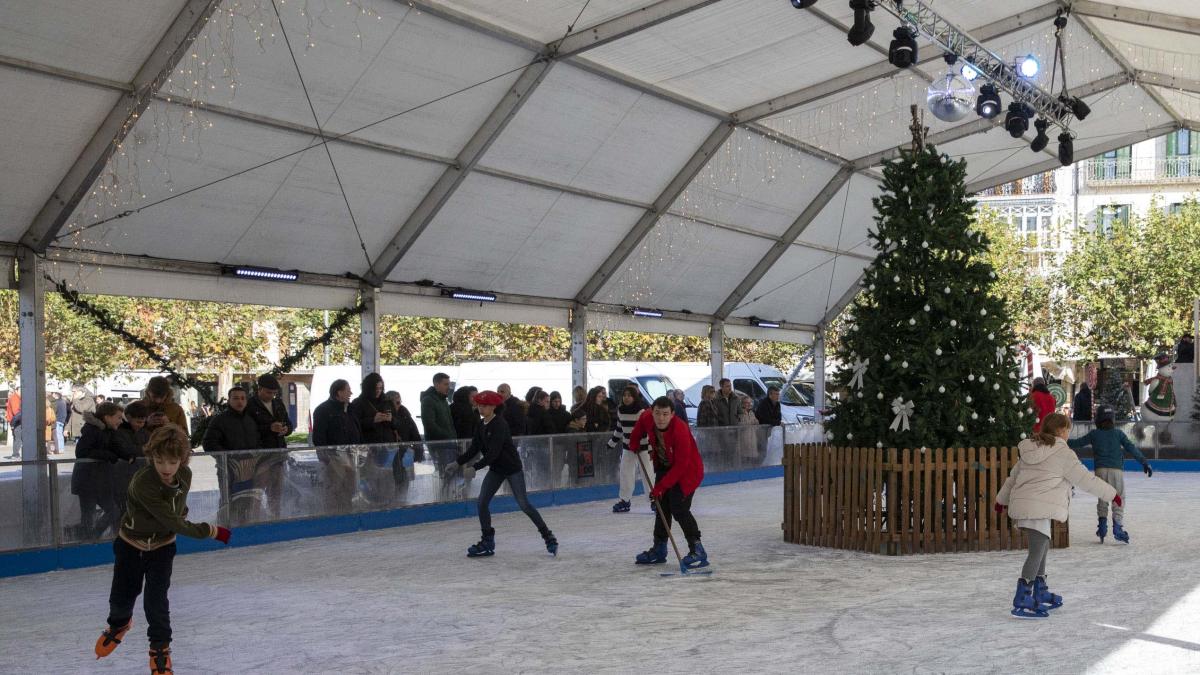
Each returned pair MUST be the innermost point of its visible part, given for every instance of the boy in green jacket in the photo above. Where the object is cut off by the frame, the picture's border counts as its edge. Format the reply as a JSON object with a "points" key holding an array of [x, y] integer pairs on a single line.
{"points": [[1109, 446], [145, 545]]}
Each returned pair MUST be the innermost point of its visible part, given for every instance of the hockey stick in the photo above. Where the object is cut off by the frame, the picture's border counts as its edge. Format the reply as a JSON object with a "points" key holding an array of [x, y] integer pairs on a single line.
{"points": [[683, 569]]}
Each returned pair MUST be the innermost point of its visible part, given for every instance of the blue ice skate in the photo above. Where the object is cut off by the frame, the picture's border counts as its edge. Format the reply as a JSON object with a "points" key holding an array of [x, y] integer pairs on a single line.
{"points": [[655, 555], [696, 558], [1119, 532], [1045, 599], [551, 543], [1025, 606], [1102, 529], [621, 506], [485, 547]]}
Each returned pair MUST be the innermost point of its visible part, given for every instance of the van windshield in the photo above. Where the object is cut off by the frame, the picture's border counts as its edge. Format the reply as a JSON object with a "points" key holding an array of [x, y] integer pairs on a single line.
{"points": [[793, 395], [656, 385]]}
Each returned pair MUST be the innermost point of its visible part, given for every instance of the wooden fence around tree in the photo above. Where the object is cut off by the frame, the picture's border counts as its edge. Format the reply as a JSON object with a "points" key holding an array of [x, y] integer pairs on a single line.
{"points": [[900, 502]]}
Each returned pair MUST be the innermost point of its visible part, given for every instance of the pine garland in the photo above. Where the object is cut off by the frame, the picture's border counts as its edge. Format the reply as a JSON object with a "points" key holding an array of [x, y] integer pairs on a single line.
{"points": [[343, 317]]}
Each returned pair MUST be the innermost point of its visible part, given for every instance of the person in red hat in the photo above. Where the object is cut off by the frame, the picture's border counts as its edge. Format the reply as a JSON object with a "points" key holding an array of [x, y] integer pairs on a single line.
{"points": [[678, 472], [493, 440]]}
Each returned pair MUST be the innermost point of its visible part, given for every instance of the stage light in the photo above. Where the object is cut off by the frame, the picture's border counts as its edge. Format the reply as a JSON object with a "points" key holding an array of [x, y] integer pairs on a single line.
{"points": [[648, 313], [1017, 120], [902, 53], [863, 29], [988, 103], [262, 273], [969, 73], [1080, 109], [801, 4], [464, 294], [1041, 140], [1066, 149], [1028, 67]]}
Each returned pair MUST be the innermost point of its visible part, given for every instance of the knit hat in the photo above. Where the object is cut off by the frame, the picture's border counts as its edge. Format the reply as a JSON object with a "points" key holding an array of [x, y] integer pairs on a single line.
{"points": [[268, 381], [489, 397]]}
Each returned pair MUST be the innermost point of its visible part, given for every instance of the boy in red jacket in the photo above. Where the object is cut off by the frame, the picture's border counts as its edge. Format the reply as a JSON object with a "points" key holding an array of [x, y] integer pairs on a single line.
{"points": [[678, 471]]}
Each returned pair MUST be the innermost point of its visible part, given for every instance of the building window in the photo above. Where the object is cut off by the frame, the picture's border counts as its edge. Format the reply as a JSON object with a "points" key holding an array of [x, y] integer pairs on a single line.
{"points": [[1113, 165], [1183, 153], [1174, 208], [1111, 215]]}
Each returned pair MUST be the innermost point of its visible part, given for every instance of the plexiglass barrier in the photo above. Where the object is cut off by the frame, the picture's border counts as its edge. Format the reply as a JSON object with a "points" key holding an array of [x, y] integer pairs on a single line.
{"points": [[65, 502]]}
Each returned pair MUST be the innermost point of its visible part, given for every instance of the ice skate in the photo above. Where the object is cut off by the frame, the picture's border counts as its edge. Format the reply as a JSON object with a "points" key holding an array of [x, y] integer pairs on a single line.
{"points": [[655, 555], [696, 558], [110, 638], [160, 661], [1102, 529], [485, 547], [1045, 599], [551, 543], [621, 506], [1119, 533], [1025, 606]]}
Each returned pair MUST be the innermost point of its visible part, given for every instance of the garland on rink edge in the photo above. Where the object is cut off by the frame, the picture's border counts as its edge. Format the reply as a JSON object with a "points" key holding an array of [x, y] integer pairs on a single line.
{"points": [[106, 321]]}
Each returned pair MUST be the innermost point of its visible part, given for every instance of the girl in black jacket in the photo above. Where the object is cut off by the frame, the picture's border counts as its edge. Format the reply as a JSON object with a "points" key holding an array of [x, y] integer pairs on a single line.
{"points": [[557, 417], [100, 447], [493, 441], [374, 412], [463, 413]]}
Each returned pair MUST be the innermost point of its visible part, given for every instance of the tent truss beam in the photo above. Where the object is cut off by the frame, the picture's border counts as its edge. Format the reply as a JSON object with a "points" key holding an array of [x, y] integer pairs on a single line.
{"points": [[1138, 17], [82, 174]]}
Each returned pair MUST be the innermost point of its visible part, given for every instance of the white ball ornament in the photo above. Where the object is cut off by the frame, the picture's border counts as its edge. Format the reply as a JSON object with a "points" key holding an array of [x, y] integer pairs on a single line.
{"points": [[872, 287], [879, 444], [860, 394], [968, 399], [924, 244], [991, 336], [971, 377], [904, 364], [996, 386], [946, 290], [983, 312], [912, 322], [938, 351], [829, 435], [879, 396], [896, 278], [887, 357], [942, 390], [983, 378], [974, 416], [849, 436], [961, 429], [953, 323], [926, 308], [1014, 400], [1022, 435]]}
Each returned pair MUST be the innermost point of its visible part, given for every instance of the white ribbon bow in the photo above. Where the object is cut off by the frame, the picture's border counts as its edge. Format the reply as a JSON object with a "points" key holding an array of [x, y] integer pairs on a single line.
{"points": [[1001, 354], [903, 410], [860, 367]]}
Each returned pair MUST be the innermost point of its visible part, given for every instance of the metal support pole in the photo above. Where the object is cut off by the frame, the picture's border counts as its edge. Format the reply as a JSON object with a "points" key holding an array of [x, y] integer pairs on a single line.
{"points": [[35, 488], [716, 350], [369, 330], [578, 323], [1196, 334], [819, 375]]}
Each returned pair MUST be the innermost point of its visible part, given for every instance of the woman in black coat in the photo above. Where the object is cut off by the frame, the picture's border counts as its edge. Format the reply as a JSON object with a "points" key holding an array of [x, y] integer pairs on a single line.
{"points": [[99, 448], [557, 417], [374, 412], [463, 413]]}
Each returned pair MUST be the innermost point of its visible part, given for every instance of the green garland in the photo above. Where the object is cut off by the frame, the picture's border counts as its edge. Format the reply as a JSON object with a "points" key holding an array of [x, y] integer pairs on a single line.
{"points": [[343, 317]]}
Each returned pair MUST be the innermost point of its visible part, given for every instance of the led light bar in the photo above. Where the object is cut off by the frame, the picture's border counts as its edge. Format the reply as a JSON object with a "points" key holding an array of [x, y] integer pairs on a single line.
{"points": [[649, 313], [263, 273], [473, 296], [762, 323]]}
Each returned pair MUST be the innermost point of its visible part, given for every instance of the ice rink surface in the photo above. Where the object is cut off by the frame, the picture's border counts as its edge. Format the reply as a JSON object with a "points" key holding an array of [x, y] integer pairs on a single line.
{"points": [[407, 600]]}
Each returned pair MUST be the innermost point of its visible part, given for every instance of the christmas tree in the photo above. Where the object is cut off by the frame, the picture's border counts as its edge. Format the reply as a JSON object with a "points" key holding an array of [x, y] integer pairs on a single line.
{"points": [[928, 357], [1112, 393]]}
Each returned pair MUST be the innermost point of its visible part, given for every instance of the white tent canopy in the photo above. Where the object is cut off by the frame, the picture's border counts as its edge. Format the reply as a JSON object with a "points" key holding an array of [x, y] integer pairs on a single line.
{"points": [[713, 159]]}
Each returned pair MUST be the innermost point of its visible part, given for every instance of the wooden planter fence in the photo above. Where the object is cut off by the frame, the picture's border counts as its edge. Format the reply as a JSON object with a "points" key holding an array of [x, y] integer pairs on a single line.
{"points": [[900, 502]]}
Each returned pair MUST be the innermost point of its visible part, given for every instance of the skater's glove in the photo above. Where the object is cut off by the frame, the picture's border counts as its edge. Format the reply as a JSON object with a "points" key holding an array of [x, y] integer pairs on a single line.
{"points": [[451, 469], [657, 492], [468, 473], [1117, 500], [223, 534], [999, 507], [1147, 469]]}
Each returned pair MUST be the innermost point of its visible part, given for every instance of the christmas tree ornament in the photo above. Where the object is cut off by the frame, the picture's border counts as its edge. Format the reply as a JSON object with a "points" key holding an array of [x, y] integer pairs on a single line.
{"points": [[983, 312], [991, 336], [991, 419], [924, 244], [926, 308], [961, 429], [983, 378], [879, 444], [912, 322], [887, 357], [946, 290], [968, 399], [904, 364], [938, 351], [879, 396], [974, 416], [942, 389], [971, 377], [896, 278], [903, 410], [953, 323], [860, 394], [860, 367], [871, 287], [996, 386]]}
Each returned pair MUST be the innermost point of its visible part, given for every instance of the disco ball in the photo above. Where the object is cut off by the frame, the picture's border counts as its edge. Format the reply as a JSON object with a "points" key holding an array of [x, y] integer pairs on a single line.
{"points": [[950, 98]]}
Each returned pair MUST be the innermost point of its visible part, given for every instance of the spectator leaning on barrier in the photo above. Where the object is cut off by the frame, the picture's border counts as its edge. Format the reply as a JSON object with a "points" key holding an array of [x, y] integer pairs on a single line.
{"points": [[233, 429], [270, 414], [463, 413], [536, 423], [514, 412], [160, 402], [406, 432], [769, 411], [729, 404], [373, 411], [557, 418], [334, 425], [435, 410], [706, 412], [99, 448]]}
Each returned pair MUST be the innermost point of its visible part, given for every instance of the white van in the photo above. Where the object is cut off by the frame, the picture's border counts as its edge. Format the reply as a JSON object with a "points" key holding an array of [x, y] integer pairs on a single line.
{"points": [[409, 381], [751, 379]]}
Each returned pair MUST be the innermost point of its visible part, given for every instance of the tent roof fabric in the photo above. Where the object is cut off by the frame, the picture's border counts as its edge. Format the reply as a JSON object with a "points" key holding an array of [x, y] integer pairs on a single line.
{"points": [[668, 149]]}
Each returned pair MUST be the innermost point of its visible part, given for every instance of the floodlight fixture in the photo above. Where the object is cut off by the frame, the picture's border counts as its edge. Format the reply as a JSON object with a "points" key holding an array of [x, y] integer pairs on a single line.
{"points": [[1041, 140], [261, 273], [1028, 66], [902, 53], [862, 29], [1066, 149], [988, 103], [464, 294], [1017, 119]]}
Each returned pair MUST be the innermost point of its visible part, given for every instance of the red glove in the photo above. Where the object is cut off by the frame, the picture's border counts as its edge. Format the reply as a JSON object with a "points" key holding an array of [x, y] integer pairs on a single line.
{"points": [[656, 493], [1117, 500], [999, 507], [223, 535]]}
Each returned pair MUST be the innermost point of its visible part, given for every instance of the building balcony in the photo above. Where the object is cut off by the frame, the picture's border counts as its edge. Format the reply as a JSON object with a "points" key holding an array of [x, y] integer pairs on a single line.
{"points": [[1038, 184], [1100, 172]]}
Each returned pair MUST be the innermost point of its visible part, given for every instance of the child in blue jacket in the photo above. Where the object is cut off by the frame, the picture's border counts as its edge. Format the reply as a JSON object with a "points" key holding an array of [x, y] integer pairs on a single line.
{"points": [[1109, 446]]}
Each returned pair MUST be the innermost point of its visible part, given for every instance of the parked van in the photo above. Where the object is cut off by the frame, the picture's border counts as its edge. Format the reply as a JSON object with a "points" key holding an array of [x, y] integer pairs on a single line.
{"points": [[751, 379], [409, 381]]}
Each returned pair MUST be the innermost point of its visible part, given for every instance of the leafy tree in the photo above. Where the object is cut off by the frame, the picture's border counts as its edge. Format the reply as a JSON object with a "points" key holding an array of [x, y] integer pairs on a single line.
{"points": [[1129, 289], [927, 338], [1025, 291]]}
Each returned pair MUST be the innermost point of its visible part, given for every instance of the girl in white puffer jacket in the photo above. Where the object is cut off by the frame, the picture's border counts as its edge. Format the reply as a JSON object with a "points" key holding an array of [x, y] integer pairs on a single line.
{"points": [[1037, 491]]}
